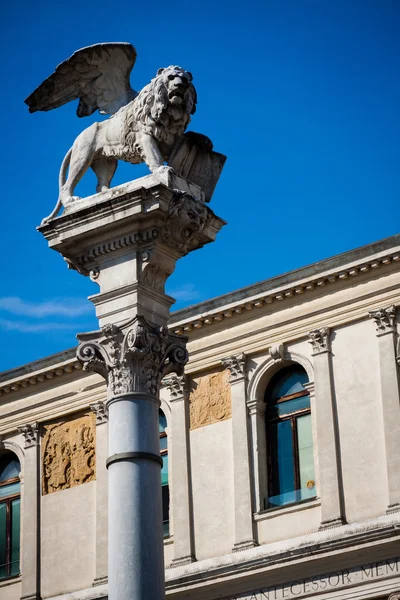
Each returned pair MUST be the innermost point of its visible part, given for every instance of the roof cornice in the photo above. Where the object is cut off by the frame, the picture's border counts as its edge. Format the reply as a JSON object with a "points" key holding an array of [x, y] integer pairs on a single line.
{"points": [[279, 289], [335, 270]]}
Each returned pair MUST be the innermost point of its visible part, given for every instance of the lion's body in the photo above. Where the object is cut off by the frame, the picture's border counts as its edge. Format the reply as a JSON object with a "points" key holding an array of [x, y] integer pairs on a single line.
{"points": [[145, 130]]}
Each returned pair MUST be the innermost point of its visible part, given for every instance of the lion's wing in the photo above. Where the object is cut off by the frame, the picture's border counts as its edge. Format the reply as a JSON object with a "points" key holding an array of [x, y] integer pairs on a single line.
{"points": [[98, 75]]}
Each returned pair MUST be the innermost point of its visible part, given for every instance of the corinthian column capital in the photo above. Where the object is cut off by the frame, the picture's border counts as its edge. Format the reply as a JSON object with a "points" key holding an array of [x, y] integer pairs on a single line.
{"points": [[384, 319], [177, 386], [133, 358], [30, 433], [236, 365], [320, 340]]}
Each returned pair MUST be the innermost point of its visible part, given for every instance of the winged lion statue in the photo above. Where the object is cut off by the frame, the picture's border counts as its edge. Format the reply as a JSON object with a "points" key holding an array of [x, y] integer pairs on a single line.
{"points": [[147, 126]]}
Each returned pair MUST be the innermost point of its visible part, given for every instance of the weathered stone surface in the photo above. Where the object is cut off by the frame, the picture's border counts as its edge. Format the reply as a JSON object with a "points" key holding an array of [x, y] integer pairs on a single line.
{"points": [[69, 453], [210, 399], [146, 127]]}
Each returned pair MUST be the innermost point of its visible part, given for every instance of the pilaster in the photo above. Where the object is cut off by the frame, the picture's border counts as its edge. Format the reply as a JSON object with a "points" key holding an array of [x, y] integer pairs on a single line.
{"points": [[332, 510], [258, 446], [101, 412], [244, 535], [384, 319], [30, 547], [180, 471]]}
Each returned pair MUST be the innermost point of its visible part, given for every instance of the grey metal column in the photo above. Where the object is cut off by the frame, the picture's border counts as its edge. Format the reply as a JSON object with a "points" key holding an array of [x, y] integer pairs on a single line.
{"points": [[134, 358], [134, 491]]}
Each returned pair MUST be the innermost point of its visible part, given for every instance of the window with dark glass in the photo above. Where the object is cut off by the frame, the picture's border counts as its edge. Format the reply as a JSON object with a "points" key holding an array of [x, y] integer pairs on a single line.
{"points": [[10, 504], [289, 438], [162, 425]]}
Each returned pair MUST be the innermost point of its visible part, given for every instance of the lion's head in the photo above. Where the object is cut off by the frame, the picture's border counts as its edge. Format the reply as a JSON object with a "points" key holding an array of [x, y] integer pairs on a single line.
{"points": [[173, 85], [163, 107]]}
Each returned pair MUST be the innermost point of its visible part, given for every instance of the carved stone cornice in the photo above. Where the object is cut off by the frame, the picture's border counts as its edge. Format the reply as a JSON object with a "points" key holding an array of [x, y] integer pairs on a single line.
{"points": [[236, 365], [101, 411], [30, 431], [394, 596], [384, 319], [133, 358], [282, 293], [177, 386], [277, 352], [320, 340]]}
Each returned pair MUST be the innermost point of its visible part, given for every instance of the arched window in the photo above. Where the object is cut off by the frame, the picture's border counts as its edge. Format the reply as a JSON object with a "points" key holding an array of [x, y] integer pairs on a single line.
{"points": [[291, 475], [162, 425], [10, 504]]}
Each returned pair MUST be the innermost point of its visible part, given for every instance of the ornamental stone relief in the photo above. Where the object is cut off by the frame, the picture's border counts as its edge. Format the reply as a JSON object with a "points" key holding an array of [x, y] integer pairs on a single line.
{"points": [[210, 399], [69, 453]]}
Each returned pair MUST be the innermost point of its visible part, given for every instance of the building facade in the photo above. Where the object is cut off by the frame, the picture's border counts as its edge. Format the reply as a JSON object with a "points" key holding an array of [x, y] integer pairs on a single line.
{"points": [[281, 448]]}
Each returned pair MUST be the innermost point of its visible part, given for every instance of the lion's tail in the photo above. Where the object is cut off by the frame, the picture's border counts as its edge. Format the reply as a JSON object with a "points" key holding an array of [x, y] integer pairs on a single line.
{"points": [[62, 178]]}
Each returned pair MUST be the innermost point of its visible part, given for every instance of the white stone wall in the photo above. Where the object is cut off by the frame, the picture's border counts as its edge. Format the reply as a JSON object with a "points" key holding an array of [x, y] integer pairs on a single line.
{"points": [[68, 540], [212, 485]]}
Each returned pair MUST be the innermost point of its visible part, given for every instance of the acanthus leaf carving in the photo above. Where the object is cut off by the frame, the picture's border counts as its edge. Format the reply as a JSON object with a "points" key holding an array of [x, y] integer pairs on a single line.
{"points": [[177, 386], [384, 319], [320, 340], [133, 358], [236, 366], [30, 433], [101, 412]]}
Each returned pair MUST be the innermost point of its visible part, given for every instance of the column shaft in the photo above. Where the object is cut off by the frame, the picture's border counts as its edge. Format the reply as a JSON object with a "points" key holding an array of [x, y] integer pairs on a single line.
{"points": [[328, 450], [135, 538]]}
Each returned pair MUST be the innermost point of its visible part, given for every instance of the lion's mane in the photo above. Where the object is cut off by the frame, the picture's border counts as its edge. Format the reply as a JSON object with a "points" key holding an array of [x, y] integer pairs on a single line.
{"points": [[152, 112]]}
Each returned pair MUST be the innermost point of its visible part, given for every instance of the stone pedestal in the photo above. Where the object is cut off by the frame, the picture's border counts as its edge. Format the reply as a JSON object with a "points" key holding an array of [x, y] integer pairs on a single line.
{"points": [[128, 240]]}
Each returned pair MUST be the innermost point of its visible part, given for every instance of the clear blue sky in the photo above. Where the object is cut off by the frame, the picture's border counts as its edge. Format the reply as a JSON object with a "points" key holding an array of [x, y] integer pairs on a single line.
{"points": [[302, 95]]}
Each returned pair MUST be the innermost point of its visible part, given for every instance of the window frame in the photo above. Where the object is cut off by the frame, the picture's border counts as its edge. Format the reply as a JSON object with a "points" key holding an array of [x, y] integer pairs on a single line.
{"points": [[291, 416], [7, 500]]}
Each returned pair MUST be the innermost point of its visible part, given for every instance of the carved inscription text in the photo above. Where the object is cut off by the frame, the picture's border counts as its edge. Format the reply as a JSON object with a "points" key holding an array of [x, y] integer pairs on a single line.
{"points": [[210, 399], [69, 453]]}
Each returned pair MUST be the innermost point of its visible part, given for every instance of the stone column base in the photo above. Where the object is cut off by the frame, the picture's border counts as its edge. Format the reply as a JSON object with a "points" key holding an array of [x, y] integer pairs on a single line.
{"points": [[332, 523], [244, 545], [100, 581], [184, 560]]}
